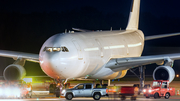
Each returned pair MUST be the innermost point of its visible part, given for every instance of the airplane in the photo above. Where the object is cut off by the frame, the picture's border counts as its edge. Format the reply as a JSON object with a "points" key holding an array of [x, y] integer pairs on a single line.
{"points": [[102, 55]]}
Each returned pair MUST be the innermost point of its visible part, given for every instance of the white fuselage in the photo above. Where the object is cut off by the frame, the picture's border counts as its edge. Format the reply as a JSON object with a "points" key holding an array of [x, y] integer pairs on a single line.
{"points": [[88, 53]]}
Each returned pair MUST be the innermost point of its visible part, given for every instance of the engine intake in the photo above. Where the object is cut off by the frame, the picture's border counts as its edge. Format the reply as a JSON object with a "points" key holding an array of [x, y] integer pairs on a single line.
{"points": [[14, 72], [164, 73]]}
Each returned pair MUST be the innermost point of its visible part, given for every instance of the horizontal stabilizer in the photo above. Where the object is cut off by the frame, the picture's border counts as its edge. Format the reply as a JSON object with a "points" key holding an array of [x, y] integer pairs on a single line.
{"points": [[161, 36]]}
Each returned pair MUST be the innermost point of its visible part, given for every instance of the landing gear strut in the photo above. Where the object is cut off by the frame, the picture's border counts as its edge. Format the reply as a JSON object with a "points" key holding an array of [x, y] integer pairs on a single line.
{"points": [[57, 91], [56, 88], [141, 77]]}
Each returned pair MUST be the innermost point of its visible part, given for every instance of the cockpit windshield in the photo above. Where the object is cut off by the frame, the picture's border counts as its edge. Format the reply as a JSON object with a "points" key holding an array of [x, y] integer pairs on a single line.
{"points": [[156, 84], [56, 49]]}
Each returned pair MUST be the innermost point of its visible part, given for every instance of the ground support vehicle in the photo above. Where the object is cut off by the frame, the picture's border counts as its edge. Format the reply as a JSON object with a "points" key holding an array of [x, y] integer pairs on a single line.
{"points": [[129, 91], [160, 88], [24, 91], [29, 89], [85, 90], [13, 89], [10, 92]]}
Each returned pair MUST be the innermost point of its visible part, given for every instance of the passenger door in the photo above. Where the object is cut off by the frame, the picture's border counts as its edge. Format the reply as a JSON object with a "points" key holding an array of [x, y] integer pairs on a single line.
{"points": [[163, 88], [79, 90], [88, 90]]}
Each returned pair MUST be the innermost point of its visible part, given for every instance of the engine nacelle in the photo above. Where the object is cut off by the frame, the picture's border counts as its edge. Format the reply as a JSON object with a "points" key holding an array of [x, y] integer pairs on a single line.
{"points": [[164, 73], [14, 72]]}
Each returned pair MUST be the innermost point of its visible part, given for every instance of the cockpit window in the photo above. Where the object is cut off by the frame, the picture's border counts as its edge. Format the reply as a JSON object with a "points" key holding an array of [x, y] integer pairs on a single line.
{"points": [[64, 49], [56, 49]]}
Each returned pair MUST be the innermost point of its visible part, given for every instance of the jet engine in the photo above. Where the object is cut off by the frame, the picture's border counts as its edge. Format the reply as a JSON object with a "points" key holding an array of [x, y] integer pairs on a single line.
{"points": [[14, 72], [164, 73]]}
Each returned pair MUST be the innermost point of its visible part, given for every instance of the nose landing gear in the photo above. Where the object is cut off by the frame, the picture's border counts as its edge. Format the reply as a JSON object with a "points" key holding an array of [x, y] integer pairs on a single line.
{"points": [[56, 87]]}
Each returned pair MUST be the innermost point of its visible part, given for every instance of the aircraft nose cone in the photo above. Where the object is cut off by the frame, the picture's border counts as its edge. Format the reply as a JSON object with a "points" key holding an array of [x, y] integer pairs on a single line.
{"points": [[60, 64], [46, 62], [48, 58]]}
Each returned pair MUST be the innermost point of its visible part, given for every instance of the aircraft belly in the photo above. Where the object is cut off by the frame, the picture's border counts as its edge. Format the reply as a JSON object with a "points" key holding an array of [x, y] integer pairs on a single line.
{"points": [[107, 73]]}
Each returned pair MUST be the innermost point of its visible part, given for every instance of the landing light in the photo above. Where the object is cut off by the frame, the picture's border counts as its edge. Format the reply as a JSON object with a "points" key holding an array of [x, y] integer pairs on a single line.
{"points": [[177, 75]]}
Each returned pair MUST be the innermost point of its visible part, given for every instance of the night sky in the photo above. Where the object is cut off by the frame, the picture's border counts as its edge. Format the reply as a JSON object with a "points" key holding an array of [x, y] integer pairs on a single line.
{"points": [[26, 24]]}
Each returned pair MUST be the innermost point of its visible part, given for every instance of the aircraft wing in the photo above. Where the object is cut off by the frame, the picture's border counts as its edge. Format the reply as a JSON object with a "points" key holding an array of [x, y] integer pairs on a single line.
{"points": [[118, 64], [16, 55]]}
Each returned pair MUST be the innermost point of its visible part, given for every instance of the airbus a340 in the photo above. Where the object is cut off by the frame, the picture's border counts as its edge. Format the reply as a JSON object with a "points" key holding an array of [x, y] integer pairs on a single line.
{"points": [[94, 54]]}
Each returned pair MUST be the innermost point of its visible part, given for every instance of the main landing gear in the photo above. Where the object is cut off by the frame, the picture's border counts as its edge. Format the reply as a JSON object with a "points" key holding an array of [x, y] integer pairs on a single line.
{"points": [[141, 77]]}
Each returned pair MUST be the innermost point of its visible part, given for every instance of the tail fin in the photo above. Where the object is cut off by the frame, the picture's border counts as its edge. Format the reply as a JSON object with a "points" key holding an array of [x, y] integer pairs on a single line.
{"points": [[134, 16]]}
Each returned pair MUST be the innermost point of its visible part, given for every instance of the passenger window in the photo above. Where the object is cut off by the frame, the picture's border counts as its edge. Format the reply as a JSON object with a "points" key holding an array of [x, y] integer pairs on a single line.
{"points": [[56, 49], [49, 49], [88, 86], [80, 87], [164, 85]]}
